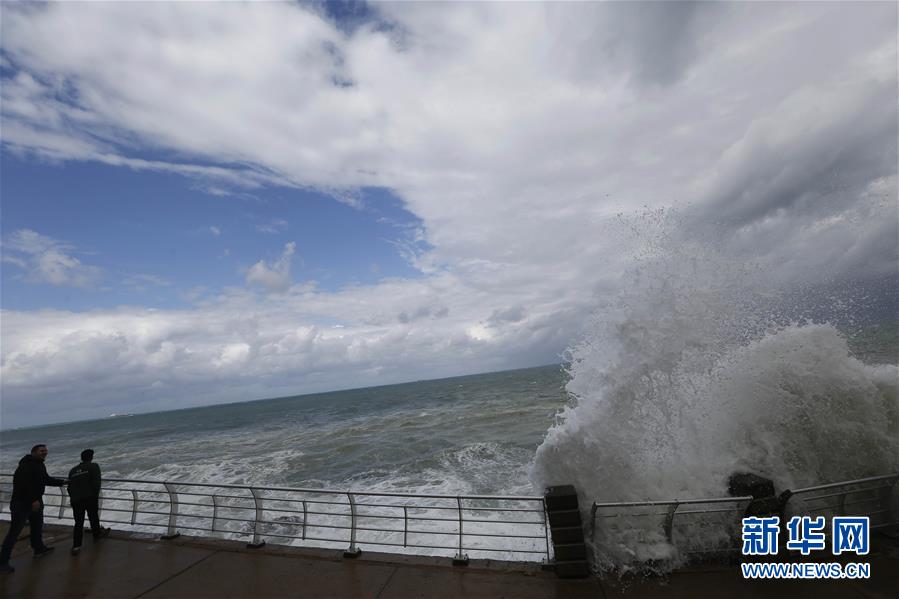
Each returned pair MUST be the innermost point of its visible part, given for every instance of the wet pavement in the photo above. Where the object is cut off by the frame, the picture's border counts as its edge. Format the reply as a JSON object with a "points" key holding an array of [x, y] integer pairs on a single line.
{"points": [[130, 566]]}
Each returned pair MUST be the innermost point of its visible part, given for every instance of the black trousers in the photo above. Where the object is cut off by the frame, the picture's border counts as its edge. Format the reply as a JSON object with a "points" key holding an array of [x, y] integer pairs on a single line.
{"points": [[79, 508], [20, 512]]}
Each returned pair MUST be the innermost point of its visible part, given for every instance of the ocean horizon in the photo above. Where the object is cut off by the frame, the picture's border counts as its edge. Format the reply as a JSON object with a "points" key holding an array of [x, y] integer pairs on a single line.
{"points": [[247, 401]]}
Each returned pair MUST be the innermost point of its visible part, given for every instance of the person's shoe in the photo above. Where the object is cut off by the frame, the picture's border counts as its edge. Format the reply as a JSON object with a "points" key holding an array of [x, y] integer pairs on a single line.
{"points": [[104, 532], [44, 551], [75, 550], [6, 569]]}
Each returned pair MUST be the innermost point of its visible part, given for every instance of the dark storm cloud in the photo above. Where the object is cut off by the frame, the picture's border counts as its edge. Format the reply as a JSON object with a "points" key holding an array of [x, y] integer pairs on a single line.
{"points": [[655, 39], [650, 43], [807, 157]]}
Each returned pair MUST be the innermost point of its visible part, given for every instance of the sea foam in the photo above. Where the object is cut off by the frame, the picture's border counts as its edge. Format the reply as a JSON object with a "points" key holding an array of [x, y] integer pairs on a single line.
{"points": [[697, 370]]}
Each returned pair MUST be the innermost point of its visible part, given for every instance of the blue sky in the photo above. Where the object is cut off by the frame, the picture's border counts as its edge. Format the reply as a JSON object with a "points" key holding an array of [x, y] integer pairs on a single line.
{"points": [[159, 241], [211, 202]]}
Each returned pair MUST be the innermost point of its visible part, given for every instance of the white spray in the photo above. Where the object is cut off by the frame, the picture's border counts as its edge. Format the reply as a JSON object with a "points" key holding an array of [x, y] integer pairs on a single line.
{"points": [[691, 374]]}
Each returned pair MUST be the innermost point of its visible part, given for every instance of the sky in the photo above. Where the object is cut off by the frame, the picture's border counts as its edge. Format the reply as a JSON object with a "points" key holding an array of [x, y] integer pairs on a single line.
{"points": [[213, 202]]}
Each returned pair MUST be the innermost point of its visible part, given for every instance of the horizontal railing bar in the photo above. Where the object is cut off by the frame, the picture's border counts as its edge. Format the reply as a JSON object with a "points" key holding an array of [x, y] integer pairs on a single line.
{"points": [[624, 515], [731, 511], [847, 482], [487, 534], [114, 509], [441, 507], [332, 491], [842, 493], [506, 550], [321, 491], [671, 502], [831, 506], [400, 517], [866, 513]]}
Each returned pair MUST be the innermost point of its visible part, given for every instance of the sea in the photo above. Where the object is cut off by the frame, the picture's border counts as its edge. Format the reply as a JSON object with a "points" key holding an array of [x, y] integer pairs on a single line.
{"points": [[471, 435]]}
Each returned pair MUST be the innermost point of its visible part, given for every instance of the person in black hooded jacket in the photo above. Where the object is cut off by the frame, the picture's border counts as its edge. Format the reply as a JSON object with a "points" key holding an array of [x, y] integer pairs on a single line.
{"points": [[84, 492], [27, 504]]}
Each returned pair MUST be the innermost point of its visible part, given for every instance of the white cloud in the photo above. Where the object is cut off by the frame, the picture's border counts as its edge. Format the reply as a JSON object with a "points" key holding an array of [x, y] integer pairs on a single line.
{"points": [[214, 231], [283, 343], [498, 124], [272, 227], [274, 277], [46, 260], [514, 132]]}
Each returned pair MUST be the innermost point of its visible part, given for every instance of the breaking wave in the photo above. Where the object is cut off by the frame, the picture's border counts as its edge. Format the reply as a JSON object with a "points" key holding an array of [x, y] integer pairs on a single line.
{"points": [[699, 369]]}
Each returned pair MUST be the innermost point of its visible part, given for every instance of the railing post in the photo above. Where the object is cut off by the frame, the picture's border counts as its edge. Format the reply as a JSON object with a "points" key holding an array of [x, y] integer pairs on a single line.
{"points": [[545, 528], [215, 511], [353, 551], [62, 502], [304, 519], [669, 521], [461, 559], [173, 512], [3, 494], [257, 521], [133, 506], [405, 525]]}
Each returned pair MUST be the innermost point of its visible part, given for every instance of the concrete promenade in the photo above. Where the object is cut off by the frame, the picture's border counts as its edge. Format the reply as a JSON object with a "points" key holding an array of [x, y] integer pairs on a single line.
{"points": [[129, 566]]}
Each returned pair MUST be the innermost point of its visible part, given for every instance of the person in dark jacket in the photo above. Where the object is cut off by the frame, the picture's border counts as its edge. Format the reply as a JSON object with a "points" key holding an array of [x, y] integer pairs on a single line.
{"points": [[27, 504], [84, 493]]}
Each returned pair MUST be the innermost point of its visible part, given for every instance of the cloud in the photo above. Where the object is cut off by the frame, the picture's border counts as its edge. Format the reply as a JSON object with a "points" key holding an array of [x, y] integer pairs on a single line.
{"points": [[515, 134], [283, 343], [510, 314], [215, 231], [272, 227], [46, 260], [142, 282], [511, 131], [274, 278]]}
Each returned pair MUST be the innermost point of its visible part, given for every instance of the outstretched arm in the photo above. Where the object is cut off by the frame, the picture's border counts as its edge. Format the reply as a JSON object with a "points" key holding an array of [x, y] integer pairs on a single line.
{"points": [[55, 482]]}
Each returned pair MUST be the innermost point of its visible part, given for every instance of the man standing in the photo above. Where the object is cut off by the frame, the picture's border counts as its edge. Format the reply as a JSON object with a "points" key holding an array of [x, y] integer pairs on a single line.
{"points": [[84, 492], [27, 504]]}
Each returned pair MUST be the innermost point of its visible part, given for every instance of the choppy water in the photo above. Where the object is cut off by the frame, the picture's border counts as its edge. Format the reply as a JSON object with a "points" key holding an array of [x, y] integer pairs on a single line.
{"points": [[473, 434]]}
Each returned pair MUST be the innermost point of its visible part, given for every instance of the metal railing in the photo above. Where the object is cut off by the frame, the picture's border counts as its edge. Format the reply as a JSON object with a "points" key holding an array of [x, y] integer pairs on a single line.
{"points": [[498, 527], [712, 526], [692, 526], [873, 497]]}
